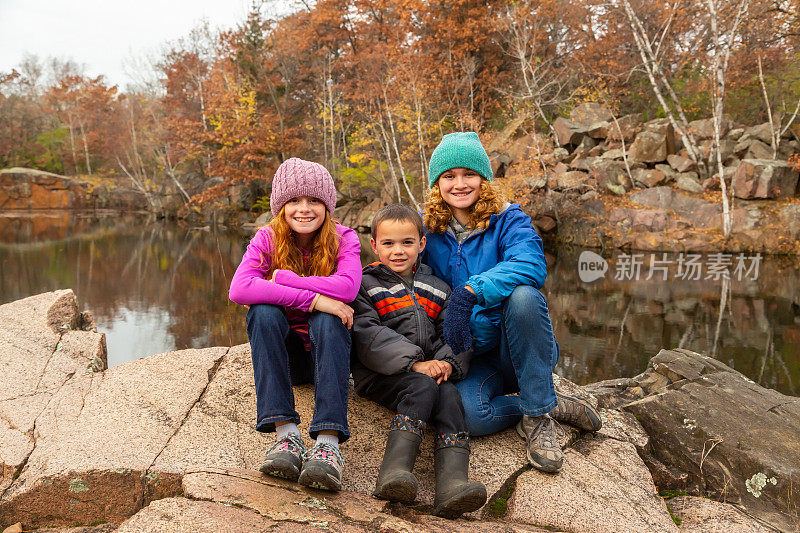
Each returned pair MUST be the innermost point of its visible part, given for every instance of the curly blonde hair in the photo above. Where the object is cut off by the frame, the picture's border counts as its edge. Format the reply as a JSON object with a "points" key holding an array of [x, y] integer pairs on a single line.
{"points": [[437, 213], [286, 254]]}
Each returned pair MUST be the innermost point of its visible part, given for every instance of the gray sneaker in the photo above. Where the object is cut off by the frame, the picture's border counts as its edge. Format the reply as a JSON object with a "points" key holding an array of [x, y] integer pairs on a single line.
{"points": [[541, 440], [285, 457], [577, 412], [323, 467]]}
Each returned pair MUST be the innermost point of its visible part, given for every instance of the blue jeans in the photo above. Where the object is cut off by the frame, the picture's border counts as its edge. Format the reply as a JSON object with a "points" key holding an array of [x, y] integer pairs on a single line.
{"points": [[280, 361], [522, 362]]}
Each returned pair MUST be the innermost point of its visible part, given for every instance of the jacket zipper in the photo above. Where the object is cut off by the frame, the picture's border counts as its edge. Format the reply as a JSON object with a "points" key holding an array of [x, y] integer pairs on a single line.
{"points": [[417, 307]]}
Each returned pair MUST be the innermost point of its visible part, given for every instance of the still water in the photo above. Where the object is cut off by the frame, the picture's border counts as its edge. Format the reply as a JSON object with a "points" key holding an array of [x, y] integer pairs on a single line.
{"points": [[155, 286]]}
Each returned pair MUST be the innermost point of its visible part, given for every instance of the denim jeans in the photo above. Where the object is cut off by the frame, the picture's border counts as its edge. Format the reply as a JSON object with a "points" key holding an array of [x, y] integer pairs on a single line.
{"points": [[522, 362], [280, 361]]}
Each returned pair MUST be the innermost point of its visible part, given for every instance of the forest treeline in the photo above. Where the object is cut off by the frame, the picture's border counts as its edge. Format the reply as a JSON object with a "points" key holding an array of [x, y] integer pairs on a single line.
{"points": [[368, 87]]}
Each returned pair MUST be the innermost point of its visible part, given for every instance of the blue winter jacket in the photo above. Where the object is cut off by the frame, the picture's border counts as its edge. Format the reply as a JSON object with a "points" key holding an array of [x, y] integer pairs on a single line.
{"points": [[493, 262]]}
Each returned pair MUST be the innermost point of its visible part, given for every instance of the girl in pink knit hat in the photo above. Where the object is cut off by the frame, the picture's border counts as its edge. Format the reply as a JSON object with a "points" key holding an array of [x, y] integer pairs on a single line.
{"points": [[296, 276]]}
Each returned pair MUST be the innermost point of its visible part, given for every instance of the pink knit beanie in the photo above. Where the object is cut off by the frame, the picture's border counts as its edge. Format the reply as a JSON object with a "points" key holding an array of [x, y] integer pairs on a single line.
{"points": [[296, 177]]}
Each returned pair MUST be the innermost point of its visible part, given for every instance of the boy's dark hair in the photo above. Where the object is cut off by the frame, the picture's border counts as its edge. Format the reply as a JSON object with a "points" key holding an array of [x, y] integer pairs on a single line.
{"points": [[400, 213]]}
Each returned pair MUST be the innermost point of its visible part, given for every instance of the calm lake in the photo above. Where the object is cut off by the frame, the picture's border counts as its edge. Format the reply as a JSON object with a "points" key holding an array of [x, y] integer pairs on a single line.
{"points": [[155, 286]]}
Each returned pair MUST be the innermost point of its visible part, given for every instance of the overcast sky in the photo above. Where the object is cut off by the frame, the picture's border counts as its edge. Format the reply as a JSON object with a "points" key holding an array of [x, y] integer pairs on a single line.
{"points": [[101, 33]]}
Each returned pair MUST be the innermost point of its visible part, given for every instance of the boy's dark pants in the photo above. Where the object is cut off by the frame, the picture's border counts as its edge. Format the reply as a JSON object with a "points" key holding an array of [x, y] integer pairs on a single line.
{"points": [[417, 396]]}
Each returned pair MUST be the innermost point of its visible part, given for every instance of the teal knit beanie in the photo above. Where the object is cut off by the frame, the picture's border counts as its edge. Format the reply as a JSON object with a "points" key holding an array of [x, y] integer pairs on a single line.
{"points": [[462, 149]]}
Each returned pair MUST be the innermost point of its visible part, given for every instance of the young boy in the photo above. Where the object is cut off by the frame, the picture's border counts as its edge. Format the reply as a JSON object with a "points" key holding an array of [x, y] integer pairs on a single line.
{"points": [[401, 362]]}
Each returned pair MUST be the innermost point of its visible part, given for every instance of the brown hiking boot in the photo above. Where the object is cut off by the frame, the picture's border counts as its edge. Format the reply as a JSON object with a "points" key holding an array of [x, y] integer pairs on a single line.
{"points": [[576, 412], [541, 442]]}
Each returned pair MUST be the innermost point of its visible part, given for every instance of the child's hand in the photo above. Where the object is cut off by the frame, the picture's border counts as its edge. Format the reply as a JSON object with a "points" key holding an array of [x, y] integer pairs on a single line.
{"points": [[447, 369], [335, 307], [438, 370]]}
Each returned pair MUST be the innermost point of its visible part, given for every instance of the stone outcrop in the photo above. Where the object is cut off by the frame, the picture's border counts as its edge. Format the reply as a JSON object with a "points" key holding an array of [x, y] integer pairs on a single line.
{"points": [[702, 515], [26, 189], [47, 349], [167, 443], [624, 156], [732, 438], [762, 178]]}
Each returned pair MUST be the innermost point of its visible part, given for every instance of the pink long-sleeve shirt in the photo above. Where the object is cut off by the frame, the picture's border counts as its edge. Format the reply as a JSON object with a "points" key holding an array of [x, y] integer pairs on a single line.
{"points": [[249, 284]]}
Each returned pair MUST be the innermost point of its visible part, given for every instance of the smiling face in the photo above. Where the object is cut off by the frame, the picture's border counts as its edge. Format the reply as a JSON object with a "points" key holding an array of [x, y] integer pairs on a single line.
{"points": [[304, 215], [397, 244], [460, 188]]}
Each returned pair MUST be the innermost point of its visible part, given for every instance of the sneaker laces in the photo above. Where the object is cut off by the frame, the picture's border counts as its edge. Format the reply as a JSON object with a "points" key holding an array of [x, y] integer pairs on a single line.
{"points": [[572, 411], [552, 425], [292, 443], [324, 451]]}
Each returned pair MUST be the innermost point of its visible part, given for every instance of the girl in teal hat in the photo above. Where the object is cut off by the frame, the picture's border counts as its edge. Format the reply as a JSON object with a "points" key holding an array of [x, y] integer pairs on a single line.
{"points": [[489, 253]]}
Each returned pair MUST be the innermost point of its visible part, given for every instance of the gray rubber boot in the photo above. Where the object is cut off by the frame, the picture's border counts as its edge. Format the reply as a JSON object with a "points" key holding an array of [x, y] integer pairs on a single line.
{"points": [[455, 495], [396, 482]]}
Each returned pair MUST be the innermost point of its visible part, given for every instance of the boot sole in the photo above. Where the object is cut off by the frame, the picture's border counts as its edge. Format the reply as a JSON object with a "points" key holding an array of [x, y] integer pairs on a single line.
{"points": [[471, 500], [539, 463], [397, 493], [595, 423], [280, 469], [402, 489], [317, 478]]}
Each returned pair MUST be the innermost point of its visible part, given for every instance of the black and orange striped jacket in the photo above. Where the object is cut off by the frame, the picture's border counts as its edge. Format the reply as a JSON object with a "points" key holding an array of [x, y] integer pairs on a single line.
{"points": [[395, 324]]}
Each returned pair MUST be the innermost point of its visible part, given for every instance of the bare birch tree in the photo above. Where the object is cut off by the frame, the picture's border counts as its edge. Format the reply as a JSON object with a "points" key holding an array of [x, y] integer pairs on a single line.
{"points": [[721, 53]]}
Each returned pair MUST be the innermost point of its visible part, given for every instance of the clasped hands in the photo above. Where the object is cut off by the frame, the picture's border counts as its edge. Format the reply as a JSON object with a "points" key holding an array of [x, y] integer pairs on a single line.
{"points": [[438, 370]]}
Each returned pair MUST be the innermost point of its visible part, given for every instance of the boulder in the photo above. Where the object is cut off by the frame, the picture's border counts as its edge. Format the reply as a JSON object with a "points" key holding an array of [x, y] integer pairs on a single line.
{"points": [[615, 153], [764, 178], [689, 182], [569, 132], [681, 164], [43, 348], [758, 150], [590, 113], [734, 438], [107, 443], [625, 128], [648, 177], [704, 128], [530, 146], [708, 150], [500, 140], [762, 132], [668, 198], [639, 219], [584, 163], [622, 497], [663, 126], [100, 436], [609, 173], [735, 134], [702, 515], [599, 130], [668, 171], [264, 218], [649, 147], [546, 224], [183, 514]]}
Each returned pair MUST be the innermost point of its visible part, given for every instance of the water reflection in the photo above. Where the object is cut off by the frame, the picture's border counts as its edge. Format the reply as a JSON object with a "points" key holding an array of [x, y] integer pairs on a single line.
{"points": [[152, 286], [611, 328], [155, 286]]}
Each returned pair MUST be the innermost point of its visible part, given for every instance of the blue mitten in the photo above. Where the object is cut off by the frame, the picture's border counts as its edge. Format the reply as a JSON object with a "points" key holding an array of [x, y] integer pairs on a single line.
{"points": [[456, 331]]}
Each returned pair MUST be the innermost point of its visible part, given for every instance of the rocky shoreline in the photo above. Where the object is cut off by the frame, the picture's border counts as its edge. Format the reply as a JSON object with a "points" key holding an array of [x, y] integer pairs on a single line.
{"points": [[166, 443]]}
